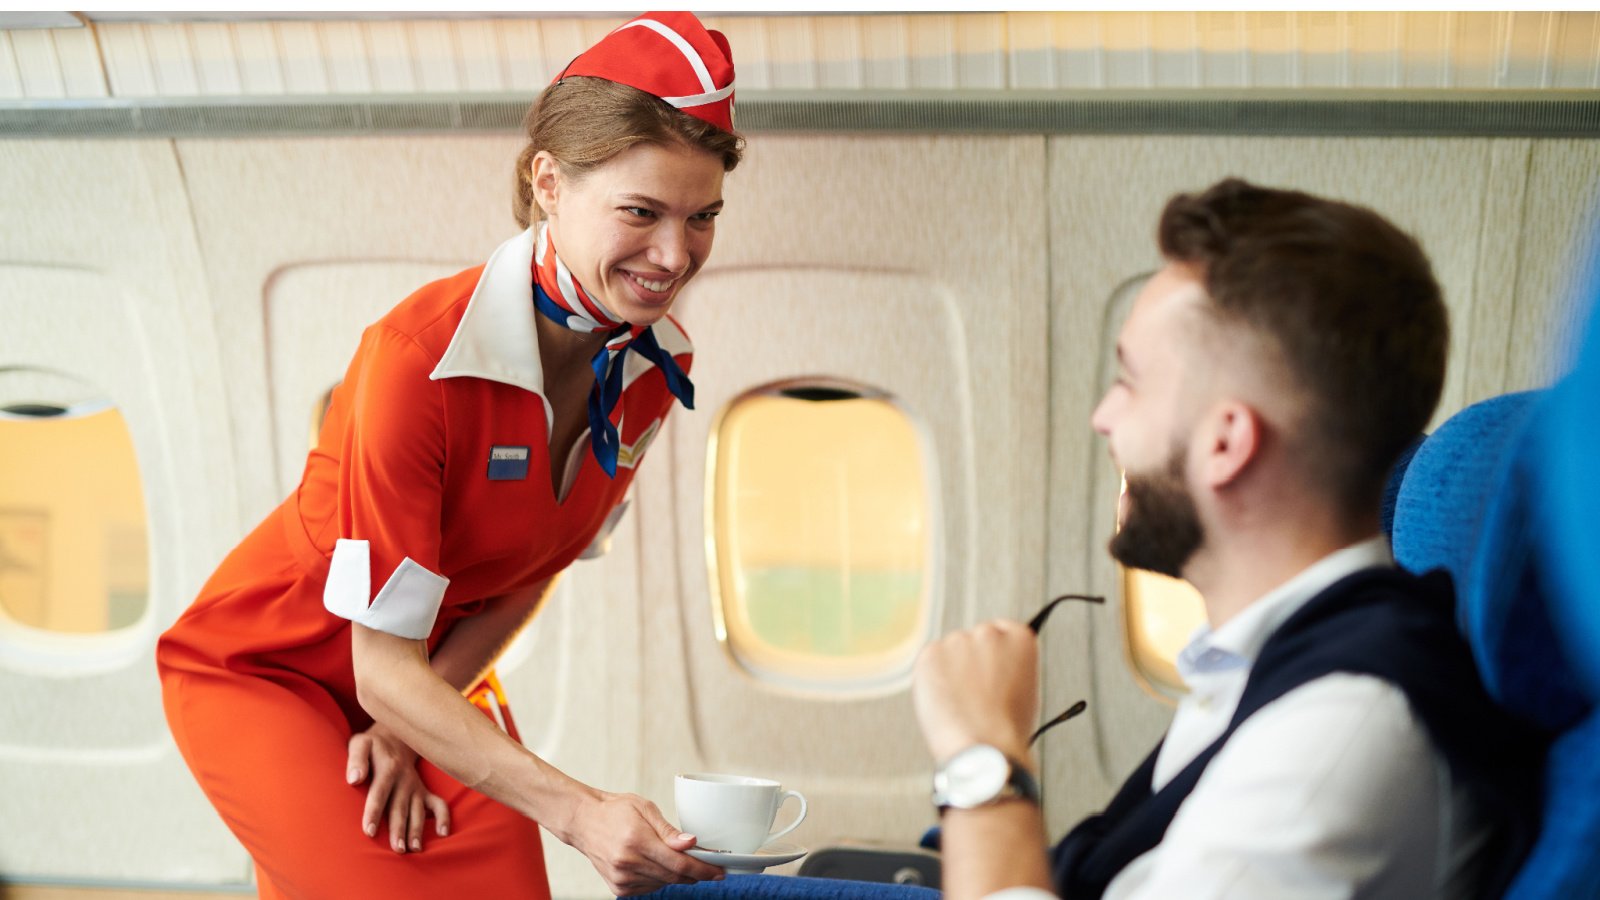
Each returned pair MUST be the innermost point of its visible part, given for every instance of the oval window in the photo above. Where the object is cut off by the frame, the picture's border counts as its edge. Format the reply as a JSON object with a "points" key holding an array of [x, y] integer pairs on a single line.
{"points": [[74, 552], [822, 536]]}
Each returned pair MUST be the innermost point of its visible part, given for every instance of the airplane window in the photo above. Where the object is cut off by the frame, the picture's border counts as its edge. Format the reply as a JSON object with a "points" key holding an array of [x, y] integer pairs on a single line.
{"points": [[74, 552], [821, 536]]}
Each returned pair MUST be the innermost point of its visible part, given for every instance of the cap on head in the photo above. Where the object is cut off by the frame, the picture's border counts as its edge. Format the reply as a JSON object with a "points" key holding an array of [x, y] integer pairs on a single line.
{"points": [[671, 56]]}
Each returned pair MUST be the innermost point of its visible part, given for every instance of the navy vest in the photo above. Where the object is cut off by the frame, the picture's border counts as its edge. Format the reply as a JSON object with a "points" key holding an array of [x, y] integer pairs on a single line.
{"points": [[1380, 622]]}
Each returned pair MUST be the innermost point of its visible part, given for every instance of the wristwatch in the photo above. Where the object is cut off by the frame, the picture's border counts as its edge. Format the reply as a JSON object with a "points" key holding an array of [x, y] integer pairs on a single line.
{"points": [[980, 775]]}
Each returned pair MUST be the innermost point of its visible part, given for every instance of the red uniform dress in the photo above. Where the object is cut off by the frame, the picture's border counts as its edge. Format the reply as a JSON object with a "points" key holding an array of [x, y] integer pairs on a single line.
{"points": [[400, 501]]}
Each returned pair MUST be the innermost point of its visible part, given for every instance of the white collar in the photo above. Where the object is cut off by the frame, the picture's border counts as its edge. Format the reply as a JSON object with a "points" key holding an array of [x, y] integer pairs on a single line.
{"points": [[1237, 643], [497, 339]]}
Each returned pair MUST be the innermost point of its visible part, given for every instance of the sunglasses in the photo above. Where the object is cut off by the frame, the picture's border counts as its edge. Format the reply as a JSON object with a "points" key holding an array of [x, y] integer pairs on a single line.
{"points": [[1036, 623]]}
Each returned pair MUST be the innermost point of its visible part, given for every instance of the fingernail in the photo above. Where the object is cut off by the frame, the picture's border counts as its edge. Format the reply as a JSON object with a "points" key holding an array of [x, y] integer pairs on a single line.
{"points": [[399, 846], [371, 830], [443, 831], [685, 837], [351, 776], [416, 843]]}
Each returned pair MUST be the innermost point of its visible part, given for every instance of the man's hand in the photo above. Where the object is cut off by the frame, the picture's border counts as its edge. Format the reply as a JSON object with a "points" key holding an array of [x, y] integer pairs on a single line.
{"points": [[633, 847], [980, 685], [396, 792]]}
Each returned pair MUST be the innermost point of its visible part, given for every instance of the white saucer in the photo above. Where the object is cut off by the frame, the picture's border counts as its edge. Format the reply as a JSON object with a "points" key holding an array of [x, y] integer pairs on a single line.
{"points": [[749, 863]]}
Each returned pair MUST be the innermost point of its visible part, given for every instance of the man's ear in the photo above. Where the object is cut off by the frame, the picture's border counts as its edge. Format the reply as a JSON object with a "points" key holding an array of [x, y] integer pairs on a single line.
{"points": [[1233, 433], [545, 176]]}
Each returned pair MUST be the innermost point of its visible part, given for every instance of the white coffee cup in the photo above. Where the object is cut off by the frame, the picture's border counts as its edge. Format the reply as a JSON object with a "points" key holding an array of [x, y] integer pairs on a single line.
{"points": [[732, 813]]}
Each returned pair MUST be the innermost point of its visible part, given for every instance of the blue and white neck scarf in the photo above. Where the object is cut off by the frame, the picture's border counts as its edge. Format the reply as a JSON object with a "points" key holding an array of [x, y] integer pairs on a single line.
{"points": [[559, 297]]}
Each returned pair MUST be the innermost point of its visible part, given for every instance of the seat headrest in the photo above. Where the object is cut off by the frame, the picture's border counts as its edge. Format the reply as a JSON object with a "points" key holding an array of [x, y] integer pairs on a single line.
{"points": [[1447, 485], [1465, 505]]}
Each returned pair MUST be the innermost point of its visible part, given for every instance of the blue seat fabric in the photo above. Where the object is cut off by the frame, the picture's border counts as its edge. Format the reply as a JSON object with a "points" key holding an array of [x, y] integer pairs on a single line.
{"points": [[781, 887], [1474, 500]]}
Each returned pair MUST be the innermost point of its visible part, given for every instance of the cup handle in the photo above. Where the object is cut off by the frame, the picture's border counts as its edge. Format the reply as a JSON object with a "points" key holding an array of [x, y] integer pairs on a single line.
{"points": [[797, 819]]}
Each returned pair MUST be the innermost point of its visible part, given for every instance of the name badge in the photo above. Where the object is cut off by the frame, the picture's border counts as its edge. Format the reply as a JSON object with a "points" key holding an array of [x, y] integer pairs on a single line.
{"points": [[508, 463]]}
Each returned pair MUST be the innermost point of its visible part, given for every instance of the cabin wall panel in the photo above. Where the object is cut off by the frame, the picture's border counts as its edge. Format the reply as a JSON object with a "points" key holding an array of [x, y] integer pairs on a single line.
{"points": [[38, 64], [193, 59], [101, 280], [1481, 338], [1573, 62], [263, 208], [1556, 261]]}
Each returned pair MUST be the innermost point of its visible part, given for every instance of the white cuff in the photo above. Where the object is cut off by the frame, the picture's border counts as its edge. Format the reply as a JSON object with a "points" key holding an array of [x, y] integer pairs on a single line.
{"points": [[601, 545], [407, 605]]}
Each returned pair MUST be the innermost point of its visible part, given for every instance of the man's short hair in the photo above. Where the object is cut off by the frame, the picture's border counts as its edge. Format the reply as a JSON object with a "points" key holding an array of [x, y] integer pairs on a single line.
{"points": [[1348, 299]]}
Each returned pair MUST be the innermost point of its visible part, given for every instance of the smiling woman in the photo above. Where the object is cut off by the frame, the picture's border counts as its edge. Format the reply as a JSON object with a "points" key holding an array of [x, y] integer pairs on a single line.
{"points": [[645, 223], [482, 439]]}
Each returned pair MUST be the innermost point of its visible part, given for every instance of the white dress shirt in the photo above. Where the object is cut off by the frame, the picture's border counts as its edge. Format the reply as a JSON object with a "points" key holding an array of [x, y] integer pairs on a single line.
{"points": [[1333, 790]]}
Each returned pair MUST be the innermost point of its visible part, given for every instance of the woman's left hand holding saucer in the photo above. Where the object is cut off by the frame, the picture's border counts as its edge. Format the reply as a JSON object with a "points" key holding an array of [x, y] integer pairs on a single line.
{"points": [[396, 791]]}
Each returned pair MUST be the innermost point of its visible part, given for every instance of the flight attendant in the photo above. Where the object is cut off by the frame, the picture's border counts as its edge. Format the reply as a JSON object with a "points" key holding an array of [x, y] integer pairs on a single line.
{"points": [[482, 439]]}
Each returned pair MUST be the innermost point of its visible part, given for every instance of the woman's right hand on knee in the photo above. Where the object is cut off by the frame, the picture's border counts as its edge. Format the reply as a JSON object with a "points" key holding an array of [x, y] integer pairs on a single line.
{"points": [[395, 793]]}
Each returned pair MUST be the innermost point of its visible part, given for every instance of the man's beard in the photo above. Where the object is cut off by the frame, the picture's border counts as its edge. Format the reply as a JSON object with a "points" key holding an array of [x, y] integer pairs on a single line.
{"points": [[1161, 530]]}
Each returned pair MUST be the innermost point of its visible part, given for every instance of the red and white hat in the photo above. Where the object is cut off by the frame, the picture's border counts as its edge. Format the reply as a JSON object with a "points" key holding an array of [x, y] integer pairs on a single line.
{"points": [[669, 55]]}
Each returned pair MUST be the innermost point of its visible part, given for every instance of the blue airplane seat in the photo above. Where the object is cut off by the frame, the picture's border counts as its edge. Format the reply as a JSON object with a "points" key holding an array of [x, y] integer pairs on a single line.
{"points": [[785, 887], [1470, 501], [1569, 450], [1448, 481], [1562, 466]]}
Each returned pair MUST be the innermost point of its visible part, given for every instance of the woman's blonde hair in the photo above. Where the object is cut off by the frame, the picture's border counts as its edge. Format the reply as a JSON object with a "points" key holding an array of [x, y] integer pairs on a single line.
{"points": [[584, 122]]}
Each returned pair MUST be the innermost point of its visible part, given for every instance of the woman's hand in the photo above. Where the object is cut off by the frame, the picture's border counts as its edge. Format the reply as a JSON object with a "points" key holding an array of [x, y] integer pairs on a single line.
{"points": [[633, 847], [396, 792]]}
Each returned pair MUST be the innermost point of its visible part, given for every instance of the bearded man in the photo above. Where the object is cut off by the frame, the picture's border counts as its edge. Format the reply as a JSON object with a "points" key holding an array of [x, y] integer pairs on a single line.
{"points": [[1335, 740]]}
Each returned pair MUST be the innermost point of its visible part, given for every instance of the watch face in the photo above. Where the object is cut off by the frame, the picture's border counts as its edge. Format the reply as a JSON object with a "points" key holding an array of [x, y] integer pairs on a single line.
{"points": [[975, 776]]}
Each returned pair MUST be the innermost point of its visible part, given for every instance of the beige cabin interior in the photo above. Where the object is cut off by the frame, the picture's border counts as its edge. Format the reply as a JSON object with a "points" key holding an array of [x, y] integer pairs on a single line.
{"points": [[939, 214]]}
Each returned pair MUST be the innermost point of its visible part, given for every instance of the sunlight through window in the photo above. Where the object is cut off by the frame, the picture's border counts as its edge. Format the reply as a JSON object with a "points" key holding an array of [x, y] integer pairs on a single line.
{"points": [[74, 554], [822, 536]]}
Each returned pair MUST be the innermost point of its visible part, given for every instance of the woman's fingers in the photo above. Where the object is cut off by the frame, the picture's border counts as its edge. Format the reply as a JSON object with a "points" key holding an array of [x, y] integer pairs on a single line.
{"points": [[399, 811], [633, 854], [357, 764], [441, 813], [377, 799], [396, 796], [414, 826]]}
